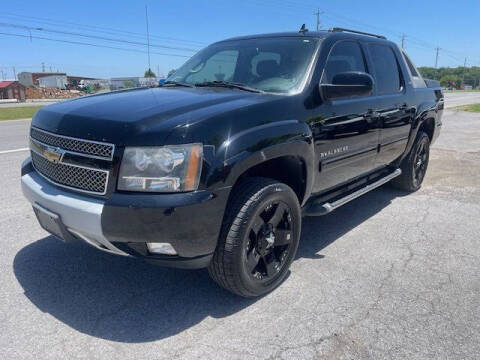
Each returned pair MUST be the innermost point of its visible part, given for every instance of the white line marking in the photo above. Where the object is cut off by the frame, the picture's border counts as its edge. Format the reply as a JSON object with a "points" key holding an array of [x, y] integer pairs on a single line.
{"points": [[7, 121], [13, 151]]}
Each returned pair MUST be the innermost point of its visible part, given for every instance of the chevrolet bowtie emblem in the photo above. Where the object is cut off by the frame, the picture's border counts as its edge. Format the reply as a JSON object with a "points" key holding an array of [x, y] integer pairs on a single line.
{"points": [[53, 155]]}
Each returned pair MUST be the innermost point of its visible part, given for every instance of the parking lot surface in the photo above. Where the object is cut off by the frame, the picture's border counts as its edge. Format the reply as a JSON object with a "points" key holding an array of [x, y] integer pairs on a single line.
{"points": [[388, 276]]}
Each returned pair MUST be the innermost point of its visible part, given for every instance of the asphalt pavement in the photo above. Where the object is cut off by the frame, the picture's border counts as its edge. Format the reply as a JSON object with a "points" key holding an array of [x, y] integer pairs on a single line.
{"points": [[454, 99], [13, 135], [40, 102], [387, 276]]}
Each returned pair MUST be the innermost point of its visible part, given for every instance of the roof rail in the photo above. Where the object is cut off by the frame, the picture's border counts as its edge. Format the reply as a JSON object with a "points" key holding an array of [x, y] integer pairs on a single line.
{"points": [[336, 29]]}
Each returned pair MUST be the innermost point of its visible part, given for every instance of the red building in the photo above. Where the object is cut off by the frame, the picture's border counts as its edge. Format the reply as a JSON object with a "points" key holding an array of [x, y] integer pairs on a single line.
{"points": [[12, 90]]}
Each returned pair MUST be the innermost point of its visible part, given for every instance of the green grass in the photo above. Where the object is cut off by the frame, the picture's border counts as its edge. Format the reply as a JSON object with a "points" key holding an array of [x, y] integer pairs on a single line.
{"points": [[470, 108], [19, 112]]}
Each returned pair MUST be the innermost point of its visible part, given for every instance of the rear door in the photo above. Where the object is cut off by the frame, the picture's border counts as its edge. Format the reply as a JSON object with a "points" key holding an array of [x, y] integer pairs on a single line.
{"points": [[345, 130], [392, 103]]}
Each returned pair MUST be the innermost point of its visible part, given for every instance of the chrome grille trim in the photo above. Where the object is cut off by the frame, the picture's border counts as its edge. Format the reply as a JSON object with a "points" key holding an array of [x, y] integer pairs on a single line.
{"points": [[89, 148], [86, 169]]}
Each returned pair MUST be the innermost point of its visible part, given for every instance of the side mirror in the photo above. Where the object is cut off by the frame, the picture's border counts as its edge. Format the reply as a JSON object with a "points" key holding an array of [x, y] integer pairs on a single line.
{"points": [[348, 84]]}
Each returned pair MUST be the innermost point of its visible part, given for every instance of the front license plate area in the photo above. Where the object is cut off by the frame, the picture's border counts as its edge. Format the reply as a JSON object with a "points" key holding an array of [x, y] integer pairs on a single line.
{"points": [[51, 222]]}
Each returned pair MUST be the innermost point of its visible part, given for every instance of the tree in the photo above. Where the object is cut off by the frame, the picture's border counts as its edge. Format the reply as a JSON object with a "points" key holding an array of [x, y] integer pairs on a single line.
{"points": [[149, 73], [128, 84], [451, 81], [429, 73], [171, 72], [454, 75]]}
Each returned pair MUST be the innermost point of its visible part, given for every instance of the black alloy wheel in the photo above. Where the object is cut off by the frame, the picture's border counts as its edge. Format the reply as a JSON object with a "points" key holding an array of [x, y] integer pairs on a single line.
{"points": [[259, 237], [420, 162], [269, 240], [415, 164]]}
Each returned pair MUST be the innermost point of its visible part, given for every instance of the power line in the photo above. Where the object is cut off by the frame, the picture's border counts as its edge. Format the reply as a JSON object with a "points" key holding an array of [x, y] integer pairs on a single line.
{"points": [[403, 40], [318, 13], [436, 57], [30, 28], [297, 7], [287, 6], [148, 38], [97, 29], [463, 73], [89, 44]]}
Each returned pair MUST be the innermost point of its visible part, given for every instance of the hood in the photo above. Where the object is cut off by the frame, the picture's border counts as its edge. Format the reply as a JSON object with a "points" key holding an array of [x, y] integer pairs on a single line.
{"points": [[149, 114]]}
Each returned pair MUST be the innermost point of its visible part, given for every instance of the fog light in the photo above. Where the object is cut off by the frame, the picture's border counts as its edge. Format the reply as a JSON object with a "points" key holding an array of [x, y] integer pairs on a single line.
{"points": [[161, 248]]}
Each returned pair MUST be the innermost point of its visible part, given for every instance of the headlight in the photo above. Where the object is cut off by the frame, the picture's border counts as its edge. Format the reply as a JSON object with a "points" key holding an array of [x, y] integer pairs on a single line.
{"points": [[161, 169]]}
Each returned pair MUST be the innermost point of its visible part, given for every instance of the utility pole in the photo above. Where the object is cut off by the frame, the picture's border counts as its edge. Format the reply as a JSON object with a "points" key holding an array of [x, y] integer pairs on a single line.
{"points": [[158, 71], [318, 13], [14, 73], [403, 40], [3, 75], [43, 67], [436, 58], [148, 36], [463, 74]]}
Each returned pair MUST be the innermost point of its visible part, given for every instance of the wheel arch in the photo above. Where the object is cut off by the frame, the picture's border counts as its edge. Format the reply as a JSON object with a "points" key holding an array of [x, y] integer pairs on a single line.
{"points": [[282, 151], [428, 126], [424, 121]]}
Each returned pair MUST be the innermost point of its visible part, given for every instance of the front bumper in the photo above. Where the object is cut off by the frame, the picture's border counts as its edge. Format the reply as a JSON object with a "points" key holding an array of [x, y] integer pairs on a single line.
{"points": [[123, 223]]}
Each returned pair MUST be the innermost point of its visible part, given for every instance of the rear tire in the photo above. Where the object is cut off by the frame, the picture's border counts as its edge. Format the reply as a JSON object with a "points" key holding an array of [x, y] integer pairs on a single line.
{"points": [[414, 166], [259, 238]]}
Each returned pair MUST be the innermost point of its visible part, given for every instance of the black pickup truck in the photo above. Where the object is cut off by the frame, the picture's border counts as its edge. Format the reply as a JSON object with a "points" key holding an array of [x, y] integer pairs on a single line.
{"points": [[217, 166]]}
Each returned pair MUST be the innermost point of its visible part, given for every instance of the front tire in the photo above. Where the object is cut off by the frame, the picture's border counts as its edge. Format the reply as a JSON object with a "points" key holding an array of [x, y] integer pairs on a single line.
{"points": [[414, 166], [259, 238]]}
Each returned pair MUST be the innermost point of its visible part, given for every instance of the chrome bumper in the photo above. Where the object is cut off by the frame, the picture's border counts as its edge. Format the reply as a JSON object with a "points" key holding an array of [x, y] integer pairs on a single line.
{"points": [[80, 215]]}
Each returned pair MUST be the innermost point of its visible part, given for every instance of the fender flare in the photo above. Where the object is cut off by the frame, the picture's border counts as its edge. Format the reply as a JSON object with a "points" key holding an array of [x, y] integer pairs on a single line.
{"points": [[424, 112], [265, 142]]}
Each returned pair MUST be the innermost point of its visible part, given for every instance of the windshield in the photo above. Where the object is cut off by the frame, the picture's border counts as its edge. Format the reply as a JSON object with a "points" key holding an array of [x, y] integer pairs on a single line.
{"points": [[268, 64]]}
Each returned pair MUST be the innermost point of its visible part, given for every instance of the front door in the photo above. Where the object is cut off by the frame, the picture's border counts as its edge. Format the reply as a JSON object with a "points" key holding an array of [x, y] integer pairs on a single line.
{"points": [[345, 130]]}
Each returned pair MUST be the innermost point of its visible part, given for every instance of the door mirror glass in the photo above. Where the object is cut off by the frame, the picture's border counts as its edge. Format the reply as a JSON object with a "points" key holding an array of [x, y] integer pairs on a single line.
{"points": [[348, 84]]}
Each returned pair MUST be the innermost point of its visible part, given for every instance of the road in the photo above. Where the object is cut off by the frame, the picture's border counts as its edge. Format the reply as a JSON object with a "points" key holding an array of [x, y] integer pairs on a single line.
{"points": [[461, 98], [388, 276], [13, 135], [43, 102]]}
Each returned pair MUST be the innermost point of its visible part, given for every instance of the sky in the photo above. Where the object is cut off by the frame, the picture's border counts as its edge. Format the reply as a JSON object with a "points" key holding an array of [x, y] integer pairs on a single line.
{"points": [[179, 28]]}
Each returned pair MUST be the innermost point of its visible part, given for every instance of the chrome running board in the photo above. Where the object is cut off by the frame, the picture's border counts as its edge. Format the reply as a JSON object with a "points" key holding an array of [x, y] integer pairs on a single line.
{"points": [[319, 209]]}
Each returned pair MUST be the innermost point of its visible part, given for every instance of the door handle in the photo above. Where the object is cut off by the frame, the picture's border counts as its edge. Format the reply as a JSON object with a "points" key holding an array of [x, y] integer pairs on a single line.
{"points": [[403, 107]]}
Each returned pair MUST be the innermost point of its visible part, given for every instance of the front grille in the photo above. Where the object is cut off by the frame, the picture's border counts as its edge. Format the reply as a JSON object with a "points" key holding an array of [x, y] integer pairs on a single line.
{"points": [[88, 147], [80, 178]]}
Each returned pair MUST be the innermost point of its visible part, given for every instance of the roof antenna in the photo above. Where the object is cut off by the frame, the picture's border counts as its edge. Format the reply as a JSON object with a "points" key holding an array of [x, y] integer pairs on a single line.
{"points": [[303, 29]]}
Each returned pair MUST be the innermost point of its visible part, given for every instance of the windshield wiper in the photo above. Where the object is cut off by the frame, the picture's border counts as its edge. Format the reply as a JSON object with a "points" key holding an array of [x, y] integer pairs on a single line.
{"points": [[175, 83], [228, 84]]}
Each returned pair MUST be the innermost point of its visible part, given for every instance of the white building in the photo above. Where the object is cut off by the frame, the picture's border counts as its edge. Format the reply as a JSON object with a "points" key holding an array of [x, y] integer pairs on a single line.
{"points": [[54, 81], [25, 78], [132, 82]]}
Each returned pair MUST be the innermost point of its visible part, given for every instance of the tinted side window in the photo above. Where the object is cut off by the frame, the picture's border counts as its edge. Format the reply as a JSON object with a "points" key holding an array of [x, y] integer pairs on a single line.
{"points": [[413, 71], [387, 76], [345, 56]]}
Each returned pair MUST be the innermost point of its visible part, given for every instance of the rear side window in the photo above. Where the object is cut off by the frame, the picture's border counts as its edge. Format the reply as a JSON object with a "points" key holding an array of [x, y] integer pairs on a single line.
{"points": [[345, 56], [411, 67], [385, 66]]}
